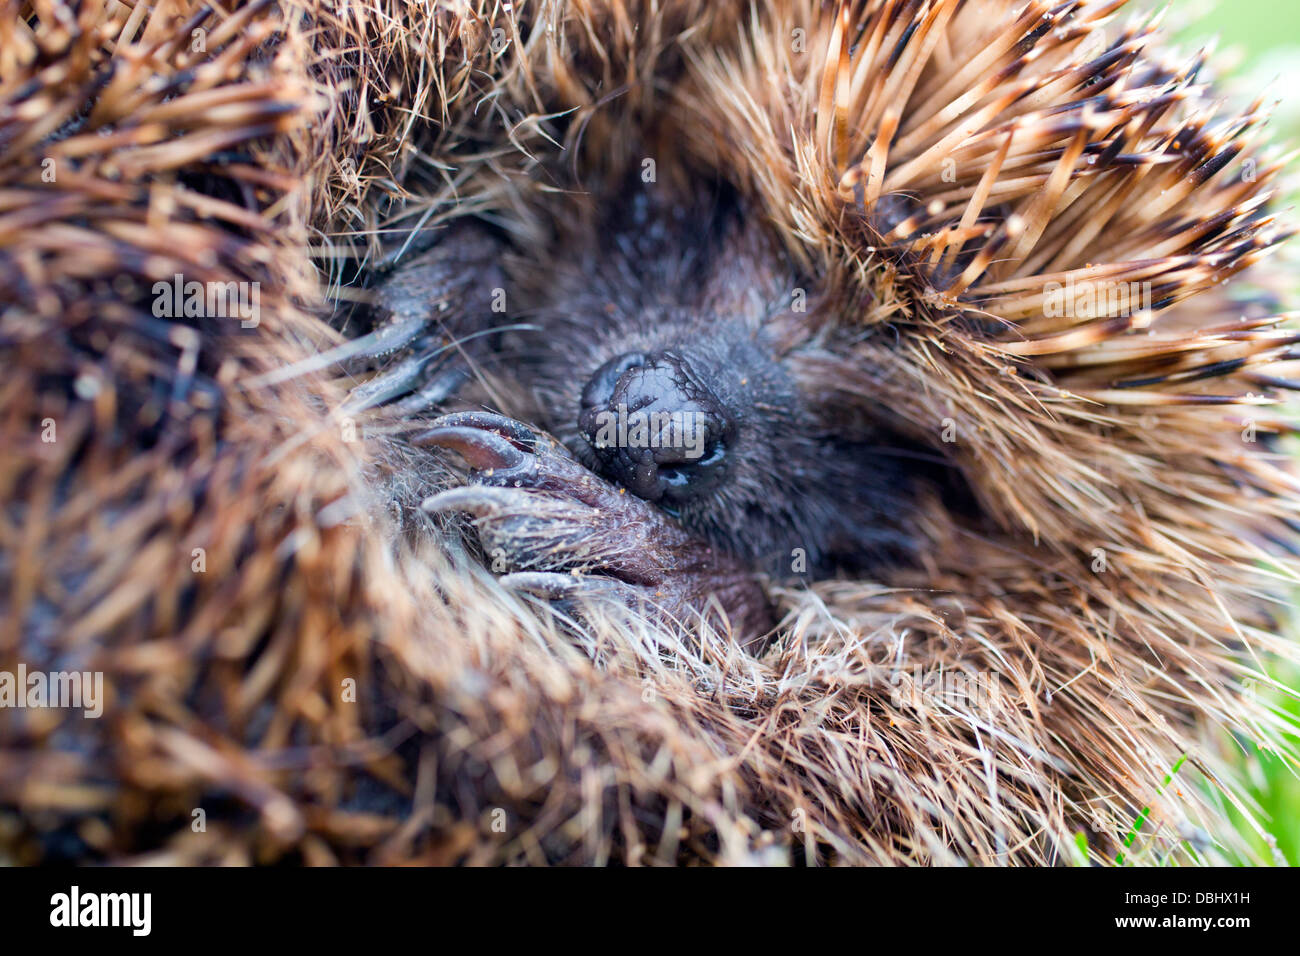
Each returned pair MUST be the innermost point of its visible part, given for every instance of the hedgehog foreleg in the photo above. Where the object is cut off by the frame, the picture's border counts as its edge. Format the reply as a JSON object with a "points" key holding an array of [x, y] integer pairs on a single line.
{"points": [[434, 315]]}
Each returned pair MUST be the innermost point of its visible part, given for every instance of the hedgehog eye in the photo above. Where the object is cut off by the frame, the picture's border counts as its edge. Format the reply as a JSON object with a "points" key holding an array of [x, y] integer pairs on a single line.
{"points": [[713, 454], [674, 479], [686, 479]]}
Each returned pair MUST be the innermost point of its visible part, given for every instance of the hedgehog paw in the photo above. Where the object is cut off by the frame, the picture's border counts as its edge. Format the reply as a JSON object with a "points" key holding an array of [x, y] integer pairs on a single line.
{"points": [[433, 315], [556, 529]]}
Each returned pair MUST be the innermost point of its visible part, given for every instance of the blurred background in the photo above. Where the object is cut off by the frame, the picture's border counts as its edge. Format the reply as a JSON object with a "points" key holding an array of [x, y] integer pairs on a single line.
{"points": [[1257, 48]]}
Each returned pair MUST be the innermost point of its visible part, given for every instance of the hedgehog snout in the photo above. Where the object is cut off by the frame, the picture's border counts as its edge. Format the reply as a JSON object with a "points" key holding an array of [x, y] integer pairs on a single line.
{"points": [[655, 427]]}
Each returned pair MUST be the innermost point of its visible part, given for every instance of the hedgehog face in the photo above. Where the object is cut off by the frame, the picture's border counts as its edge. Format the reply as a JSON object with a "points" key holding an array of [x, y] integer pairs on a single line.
{"points": [[703, 421], [681, 379]]}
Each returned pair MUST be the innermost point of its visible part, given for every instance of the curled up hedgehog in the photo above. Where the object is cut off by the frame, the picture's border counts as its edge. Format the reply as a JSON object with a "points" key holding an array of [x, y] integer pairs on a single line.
{"points": [[617, 432]]}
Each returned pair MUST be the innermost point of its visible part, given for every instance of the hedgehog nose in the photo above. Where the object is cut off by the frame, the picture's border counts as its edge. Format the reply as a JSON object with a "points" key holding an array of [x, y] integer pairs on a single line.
{"points": [[654, 426]]}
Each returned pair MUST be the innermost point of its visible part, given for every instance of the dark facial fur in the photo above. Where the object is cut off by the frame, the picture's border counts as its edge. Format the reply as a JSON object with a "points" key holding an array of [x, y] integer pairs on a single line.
{"points": [[682, 306]]}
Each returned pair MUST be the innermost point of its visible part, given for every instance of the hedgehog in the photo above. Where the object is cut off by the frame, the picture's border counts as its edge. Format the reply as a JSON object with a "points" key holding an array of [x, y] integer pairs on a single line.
{"points": [[743, 451], [966, 521]]}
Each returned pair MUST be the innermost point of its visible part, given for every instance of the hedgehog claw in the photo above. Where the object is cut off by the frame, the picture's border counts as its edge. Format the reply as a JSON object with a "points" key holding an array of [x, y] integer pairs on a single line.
{"points": [[438, 390], [546, 584], [484, 450], [385, 340], [398, 381], [523, 437], [478, 500], [564, 591]]}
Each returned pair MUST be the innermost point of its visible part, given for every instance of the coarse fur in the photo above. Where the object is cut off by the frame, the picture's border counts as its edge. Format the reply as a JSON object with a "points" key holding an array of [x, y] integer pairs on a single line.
{"points": [[208, 515]]}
